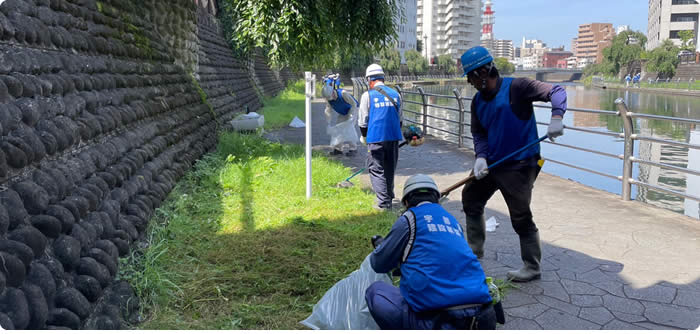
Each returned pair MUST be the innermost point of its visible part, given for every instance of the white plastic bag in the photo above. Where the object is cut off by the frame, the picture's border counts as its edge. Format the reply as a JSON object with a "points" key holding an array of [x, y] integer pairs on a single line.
{"points": [[491, 224], [344, 133], [344, 306], [297, 123]]}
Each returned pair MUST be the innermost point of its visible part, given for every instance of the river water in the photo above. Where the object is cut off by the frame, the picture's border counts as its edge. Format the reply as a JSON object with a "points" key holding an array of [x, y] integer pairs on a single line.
{"points": [[595, 98]]}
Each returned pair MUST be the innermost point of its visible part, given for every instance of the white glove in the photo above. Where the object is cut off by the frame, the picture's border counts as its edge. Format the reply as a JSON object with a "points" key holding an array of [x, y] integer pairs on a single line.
{"points": [[481, 168], [556, 128], [363, 140]]}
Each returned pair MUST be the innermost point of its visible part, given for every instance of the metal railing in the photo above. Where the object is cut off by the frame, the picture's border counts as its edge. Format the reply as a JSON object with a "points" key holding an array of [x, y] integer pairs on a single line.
{"points": [[628, 159]]}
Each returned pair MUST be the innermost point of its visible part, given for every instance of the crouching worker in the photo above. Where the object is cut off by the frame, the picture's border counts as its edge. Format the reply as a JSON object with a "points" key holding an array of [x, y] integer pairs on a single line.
{"points": [[342, 105], [442, 283]]}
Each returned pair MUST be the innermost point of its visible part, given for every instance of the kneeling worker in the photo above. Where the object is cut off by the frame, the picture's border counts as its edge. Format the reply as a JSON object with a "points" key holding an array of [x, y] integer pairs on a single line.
{"points": [[442, 283]]}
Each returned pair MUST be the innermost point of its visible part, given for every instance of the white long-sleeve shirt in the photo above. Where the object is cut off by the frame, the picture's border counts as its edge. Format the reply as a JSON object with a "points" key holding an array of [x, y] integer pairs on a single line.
{"points": [[347, 97], [363, 119]]}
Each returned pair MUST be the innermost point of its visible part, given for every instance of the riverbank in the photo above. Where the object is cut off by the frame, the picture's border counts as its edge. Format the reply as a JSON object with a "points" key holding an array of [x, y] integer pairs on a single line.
{"points": [[670, 91]]}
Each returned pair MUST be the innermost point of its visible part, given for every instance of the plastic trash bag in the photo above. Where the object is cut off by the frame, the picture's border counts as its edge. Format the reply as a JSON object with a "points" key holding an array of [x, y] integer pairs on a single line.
{"points": [[491, 224], [297, 123], [344, 133], [344, 306]]}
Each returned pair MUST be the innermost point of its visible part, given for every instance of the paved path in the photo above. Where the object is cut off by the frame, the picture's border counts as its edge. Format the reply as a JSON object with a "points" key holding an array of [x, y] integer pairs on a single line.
{"points": [[607, 263]]}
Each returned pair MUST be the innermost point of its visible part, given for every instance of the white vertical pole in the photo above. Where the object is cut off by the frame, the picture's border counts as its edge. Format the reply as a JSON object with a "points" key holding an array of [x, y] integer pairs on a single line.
{"points": [[309, 92]]}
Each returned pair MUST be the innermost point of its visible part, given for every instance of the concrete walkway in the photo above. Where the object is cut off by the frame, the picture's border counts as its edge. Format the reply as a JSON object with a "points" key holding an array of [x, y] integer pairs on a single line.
{"points": [[607, 263]]}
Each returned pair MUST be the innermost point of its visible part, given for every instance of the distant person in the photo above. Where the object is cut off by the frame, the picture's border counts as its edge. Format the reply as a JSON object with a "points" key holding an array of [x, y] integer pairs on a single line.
{"points": [[442, 283], [380, 124], [503, 121], [636, 79], [341, 103], [628, 79]]}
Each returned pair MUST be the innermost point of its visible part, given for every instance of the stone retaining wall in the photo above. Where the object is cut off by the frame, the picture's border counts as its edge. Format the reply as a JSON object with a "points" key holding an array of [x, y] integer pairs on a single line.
{"points": [[101, 112]]}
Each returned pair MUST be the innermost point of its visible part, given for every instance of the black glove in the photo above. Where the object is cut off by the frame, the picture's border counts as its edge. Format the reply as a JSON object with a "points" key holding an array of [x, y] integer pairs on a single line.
{"points": [[376, 240]]}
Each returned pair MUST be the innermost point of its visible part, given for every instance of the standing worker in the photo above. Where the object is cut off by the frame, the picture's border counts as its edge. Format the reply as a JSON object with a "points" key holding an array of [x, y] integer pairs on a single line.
{"points": [[502, 121], [341, 103], [442, 283], [628, 79], [380, 124]]}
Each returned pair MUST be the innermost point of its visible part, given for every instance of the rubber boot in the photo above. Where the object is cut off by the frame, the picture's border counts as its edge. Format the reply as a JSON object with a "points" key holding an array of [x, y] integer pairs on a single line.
{"points": [[531, 254], [476, 234]]}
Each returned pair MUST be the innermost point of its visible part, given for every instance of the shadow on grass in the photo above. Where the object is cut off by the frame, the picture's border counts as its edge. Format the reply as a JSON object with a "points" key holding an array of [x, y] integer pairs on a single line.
{"points": [[218, 260]]}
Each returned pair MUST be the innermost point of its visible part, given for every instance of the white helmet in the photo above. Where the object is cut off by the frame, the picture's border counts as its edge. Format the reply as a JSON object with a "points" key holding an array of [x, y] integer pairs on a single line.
{"points": [[418, 181], [374, 70]]}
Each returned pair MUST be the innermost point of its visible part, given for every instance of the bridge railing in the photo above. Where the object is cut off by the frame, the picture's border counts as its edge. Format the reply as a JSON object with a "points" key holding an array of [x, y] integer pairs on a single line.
{"points": [[627, 159]]}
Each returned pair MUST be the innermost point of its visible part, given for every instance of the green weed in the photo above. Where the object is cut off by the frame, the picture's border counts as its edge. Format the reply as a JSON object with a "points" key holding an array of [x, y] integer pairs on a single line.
{"points": [[238, 246], [280, 110]]}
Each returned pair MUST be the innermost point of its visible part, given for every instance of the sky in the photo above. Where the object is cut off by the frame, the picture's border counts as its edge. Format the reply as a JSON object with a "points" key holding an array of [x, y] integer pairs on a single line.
{"points": [[556, 22]]}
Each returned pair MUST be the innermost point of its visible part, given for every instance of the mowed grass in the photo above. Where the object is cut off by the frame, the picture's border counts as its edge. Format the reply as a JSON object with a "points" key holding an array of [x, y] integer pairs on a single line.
{"points": [[238, 246], [280, 110]]}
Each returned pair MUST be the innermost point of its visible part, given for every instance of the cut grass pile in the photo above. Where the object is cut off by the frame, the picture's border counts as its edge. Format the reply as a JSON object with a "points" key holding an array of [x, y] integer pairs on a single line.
{"points": [[238, 246]]}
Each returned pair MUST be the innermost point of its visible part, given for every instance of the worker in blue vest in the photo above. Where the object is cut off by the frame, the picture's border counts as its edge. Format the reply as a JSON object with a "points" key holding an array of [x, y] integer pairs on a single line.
{"points": [[340, 111], [442, 283], [503, 121], [380, 118]]}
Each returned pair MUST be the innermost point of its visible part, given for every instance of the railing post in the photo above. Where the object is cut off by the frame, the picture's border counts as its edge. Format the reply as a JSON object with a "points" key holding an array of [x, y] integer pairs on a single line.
{"points": [[460, 105], [425, 110], [629, 148]]}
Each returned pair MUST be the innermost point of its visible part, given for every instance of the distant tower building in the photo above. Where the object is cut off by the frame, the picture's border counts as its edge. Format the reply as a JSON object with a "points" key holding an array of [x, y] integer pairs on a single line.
{"points": [[497, 47], [488, 21]]}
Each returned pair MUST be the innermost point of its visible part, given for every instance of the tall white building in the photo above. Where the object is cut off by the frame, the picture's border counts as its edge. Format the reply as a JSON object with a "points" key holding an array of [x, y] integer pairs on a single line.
{"points": [[406, 28], [668, 17], [448, 26]]}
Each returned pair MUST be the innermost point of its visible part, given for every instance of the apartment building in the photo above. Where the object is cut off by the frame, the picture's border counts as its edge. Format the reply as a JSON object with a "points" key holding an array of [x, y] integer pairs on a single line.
{"points": [[592, 39], [406, 28], [669, 17], [499, 48], [448, 26]]}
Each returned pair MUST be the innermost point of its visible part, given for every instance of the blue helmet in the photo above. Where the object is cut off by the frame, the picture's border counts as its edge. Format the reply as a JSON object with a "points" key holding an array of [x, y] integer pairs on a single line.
{"points": [[475, 58]]}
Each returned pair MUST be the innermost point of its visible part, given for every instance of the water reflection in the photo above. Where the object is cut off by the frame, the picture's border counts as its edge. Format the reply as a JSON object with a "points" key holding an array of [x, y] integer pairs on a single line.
{"points": [[593, 98]]}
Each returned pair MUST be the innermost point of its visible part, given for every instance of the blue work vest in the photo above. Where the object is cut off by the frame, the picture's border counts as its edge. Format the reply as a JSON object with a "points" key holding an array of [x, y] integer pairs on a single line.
{"points": [[339, 104], [384, 122], [439, 269], [506, 132]]}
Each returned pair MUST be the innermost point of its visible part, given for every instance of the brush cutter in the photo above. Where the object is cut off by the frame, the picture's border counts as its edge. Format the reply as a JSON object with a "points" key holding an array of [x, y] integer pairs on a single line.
{"points": [[471, 177], [413, 136], [347, 184]]}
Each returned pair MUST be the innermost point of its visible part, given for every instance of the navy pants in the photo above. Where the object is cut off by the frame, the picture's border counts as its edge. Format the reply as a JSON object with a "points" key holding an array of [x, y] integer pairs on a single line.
{"points": [[381, 165], [390, 310], [515, 184]]}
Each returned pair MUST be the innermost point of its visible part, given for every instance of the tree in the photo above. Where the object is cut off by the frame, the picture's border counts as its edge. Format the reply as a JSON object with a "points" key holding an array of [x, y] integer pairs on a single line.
{"points": [[504, 66], [415, 62], [626, 47], [310, 33], [664, 58], [390, 60], [687, 40], [445, 63]]}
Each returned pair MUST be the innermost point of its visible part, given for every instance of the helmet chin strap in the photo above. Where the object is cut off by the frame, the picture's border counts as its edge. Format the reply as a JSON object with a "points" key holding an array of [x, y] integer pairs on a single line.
{"points": [[483, 80]]}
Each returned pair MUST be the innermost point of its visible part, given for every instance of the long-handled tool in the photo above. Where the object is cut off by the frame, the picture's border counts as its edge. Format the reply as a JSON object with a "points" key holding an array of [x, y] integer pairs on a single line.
{"points": [[347, 184], [471, 177]]}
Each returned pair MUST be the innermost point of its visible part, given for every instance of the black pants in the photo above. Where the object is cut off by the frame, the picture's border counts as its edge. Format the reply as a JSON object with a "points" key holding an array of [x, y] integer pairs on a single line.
{"points": [[515, 184], [381, 165]]}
